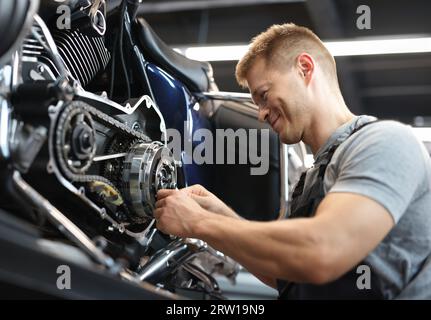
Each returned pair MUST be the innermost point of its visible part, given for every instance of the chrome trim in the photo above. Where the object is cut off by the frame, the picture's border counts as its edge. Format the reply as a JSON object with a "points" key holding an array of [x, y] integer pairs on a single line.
{"points": [[177, 253], [165, 261], [128, 109], [232, 96], [5, 119], [16, 69], [89, 96], [6, 78], [95, 11], [109, 156]]}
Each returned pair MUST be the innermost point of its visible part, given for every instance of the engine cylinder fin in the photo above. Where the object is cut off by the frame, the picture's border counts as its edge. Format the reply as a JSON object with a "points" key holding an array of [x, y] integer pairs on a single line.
{"points": [[83, 56], [77, 57], [88, 54], [104, 55], [70, 64], [92, 52]]}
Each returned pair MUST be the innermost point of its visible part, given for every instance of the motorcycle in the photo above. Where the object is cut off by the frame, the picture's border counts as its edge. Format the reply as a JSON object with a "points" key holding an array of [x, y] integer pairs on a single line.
{"points": [[88, 96]]}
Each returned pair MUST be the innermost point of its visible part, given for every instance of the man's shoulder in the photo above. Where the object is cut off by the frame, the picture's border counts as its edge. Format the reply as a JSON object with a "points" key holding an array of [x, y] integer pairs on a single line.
{"points": [[384, 161], [382, 141], [384, 128], [382, 133]]}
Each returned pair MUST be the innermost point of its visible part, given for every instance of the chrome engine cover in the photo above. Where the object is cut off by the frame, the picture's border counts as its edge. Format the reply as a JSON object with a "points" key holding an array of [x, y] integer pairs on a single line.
{"points": [[148, 167]]}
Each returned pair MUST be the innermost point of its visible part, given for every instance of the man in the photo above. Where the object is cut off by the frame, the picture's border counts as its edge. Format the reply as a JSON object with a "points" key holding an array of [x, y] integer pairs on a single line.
{"points": [[365, 204]]}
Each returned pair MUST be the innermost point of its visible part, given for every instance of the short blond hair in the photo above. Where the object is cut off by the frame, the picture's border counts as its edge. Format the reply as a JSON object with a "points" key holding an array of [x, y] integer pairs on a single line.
{"points": [[280, 44]]}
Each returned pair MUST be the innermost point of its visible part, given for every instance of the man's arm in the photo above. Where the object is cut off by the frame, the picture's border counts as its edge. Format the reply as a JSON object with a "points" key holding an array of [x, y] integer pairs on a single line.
{"points": [[210, 202], [315, 250], [378, 175]]}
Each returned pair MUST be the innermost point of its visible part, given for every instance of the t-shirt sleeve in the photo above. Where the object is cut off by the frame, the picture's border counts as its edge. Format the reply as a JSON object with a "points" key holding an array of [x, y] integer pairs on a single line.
{"points": [[384, 162]]}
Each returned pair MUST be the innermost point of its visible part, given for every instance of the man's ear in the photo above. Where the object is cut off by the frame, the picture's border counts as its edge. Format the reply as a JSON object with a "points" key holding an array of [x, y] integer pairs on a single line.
{"points": [[305, 64]]}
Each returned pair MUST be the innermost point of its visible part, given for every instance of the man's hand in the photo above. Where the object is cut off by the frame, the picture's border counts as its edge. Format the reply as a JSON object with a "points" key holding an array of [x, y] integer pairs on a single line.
{"points": [[177, 213], [209, 201]]}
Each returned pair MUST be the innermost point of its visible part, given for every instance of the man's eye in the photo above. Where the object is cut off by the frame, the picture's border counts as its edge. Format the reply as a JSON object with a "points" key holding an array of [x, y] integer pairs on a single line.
{"points": [[264, 95]]}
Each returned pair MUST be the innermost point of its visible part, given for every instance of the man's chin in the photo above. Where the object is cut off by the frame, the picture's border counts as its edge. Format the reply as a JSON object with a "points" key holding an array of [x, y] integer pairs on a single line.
{"points": [[284, 138]]}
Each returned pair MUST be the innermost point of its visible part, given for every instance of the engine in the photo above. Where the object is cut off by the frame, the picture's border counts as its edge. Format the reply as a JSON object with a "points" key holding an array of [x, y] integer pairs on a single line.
{"points": [[86, 168], [119, 167], [111, 157], [83, 56]]}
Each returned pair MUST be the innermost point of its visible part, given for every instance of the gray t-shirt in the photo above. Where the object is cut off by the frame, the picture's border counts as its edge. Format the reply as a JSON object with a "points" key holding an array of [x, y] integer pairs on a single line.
{"points": [[385, 162]]}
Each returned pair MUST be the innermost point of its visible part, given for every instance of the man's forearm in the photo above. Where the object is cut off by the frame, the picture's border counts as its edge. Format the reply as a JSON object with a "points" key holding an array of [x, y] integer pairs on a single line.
{"points": [[269, 281], [282, 249]]}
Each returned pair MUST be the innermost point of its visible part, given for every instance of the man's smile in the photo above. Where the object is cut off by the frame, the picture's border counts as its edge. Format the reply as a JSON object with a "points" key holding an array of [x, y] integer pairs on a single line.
{"points": [[274, 119]]}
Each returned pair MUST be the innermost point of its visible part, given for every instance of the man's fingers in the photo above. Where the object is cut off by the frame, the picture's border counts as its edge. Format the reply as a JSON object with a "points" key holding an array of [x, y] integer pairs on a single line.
{"points": [[157, 213], [163, 193], [160, 203], [201, 200], [195, 189]]}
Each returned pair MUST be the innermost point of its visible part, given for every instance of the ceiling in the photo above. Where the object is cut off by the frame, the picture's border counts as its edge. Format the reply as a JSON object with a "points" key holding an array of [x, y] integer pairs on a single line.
{"points": [[396, 86]]}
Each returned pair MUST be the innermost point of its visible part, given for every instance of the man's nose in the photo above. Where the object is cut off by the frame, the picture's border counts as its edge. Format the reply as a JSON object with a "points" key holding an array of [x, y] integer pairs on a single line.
{"points": [[263, 114]]}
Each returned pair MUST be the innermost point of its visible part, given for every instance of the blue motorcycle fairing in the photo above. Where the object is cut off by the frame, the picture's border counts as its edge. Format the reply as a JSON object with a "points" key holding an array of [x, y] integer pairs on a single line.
{"points": [[180, 110]]}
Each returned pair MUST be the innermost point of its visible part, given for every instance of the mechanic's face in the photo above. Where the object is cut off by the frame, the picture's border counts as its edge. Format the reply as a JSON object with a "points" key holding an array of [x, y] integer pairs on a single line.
{"points": [[281, 99]]}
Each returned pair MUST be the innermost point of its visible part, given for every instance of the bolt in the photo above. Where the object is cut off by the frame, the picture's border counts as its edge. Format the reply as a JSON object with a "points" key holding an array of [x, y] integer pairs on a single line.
{"points": [[40, 69], [109, 167], [136, 126]]}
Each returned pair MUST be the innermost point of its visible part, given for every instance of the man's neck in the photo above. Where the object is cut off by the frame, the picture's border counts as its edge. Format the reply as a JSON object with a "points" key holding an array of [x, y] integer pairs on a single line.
{"points": [[323, 125]]}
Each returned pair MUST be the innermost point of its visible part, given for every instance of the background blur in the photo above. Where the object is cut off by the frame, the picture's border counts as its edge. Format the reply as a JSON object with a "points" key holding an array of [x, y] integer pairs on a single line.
{"points": [[395, 86]]}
